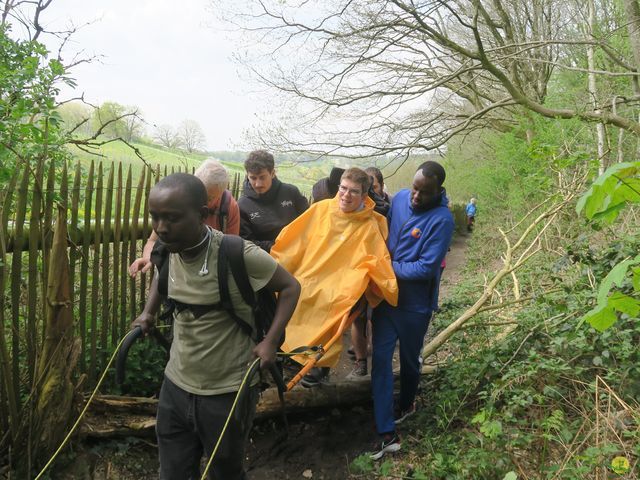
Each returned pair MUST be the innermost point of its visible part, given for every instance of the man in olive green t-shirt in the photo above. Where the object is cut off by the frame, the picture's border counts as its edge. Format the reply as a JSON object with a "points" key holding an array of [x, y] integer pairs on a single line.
{"points": [[210, 353]]}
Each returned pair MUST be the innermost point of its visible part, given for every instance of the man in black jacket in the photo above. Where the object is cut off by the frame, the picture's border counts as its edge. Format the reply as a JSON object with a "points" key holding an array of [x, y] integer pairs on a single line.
{"points": [[267, 205], [327, 187]]}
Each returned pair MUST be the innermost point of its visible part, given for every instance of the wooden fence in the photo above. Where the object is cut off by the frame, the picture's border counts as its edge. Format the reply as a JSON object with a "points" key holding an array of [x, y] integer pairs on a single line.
{"points": [[108, 225]]}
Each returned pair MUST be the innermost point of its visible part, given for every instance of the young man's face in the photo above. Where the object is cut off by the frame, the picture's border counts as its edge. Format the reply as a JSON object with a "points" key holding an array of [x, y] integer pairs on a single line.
{"points": [[350, 195], [261, 181], [177, 223], [425, 192]]}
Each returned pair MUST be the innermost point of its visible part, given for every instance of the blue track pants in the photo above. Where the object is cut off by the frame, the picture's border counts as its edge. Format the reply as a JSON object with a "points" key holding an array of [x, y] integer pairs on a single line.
{"points": [[391, 324]]}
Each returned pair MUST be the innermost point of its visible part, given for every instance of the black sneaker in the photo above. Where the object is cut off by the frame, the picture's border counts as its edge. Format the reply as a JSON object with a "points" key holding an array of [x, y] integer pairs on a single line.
{"points": [[359, 372], [315, 377], [390, 444], [352, 354], [400, 416]]}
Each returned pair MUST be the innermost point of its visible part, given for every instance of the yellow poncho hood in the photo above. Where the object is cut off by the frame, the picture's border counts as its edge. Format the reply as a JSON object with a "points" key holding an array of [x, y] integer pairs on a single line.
{"points": [[335, 256]]}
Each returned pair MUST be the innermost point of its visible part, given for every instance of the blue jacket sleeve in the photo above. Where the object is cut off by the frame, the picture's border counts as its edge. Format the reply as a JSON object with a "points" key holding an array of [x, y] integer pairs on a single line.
{"points": [[433, 251]]}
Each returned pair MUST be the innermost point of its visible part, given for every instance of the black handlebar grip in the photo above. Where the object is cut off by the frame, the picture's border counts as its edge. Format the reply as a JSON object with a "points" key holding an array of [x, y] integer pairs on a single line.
{"points": [[121, 360]]}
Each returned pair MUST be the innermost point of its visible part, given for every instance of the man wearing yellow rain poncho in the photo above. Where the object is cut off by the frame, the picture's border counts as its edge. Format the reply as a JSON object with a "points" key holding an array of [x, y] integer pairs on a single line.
{"points": [[337, 251]]}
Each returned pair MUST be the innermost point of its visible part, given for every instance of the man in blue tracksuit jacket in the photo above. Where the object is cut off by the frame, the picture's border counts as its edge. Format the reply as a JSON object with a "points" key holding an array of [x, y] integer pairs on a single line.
{"points": [[420, 230]]}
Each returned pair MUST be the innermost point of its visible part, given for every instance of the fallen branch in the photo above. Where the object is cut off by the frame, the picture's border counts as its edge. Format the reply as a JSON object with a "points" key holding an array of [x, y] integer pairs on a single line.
{"points": [[115, 416], [500, 306], [513, 259]]}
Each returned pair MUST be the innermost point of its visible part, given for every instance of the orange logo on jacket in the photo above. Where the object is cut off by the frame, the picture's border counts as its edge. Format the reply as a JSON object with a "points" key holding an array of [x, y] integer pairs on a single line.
{"points": [[416, 233]]}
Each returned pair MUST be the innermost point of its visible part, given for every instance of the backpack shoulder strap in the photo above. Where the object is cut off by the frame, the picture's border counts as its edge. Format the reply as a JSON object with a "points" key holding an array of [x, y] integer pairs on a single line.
{"points": [[223, 211], [160, 258], [235, 256], [231, 254], [224, 203]]}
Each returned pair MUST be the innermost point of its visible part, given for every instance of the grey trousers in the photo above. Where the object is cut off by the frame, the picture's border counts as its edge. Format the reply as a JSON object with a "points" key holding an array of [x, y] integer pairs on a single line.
{"points": [[189, 425]]}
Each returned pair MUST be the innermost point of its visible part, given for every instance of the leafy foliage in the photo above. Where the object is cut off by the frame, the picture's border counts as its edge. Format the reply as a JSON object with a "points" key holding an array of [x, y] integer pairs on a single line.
{"points": [[508, 174], [29, 124], [512, 398], [617, 187], [144, 371], [499, 407]]}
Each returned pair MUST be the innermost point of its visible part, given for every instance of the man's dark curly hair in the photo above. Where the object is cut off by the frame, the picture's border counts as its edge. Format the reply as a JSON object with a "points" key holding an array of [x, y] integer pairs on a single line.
{"points": [[259, 160]]}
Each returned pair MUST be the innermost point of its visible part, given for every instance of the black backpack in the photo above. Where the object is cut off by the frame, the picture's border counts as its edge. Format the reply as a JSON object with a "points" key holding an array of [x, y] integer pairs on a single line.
{"points": [[230, 255], [223, 210]]}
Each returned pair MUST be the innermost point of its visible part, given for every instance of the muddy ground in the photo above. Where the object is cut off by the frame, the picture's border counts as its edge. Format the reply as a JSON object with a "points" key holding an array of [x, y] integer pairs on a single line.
{"points": [[320, 444]]}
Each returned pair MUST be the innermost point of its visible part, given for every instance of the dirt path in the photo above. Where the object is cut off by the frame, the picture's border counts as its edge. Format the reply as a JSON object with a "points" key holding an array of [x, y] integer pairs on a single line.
{"points": [[455, 263]]}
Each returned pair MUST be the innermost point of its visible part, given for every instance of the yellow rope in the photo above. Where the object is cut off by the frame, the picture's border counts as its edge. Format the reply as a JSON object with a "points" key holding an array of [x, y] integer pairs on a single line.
{"points": [[233, 407], [84, 410]]}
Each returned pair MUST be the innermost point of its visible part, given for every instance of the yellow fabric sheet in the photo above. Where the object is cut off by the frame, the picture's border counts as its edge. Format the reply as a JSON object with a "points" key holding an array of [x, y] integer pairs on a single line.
{"points": [[335, 256]]}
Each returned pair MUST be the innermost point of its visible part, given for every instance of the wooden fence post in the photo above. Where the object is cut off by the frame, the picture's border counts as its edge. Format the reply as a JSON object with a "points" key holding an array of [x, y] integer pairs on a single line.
{"points": [[117, 238], [105, 297], [55, 391], [84, 268], [8, 394], [126, 235], [95, 275], [32, 276]]}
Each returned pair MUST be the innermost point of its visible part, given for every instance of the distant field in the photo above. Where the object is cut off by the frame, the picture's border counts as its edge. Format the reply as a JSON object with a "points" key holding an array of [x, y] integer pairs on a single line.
{"points": [[156, 155]]}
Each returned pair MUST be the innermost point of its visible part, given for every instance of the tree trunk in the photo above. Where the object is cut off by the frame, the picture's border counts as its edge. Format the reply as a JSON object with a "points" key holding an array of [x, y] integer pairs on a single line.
{"points": [[592, 89], [60, 351], [632, 9]]}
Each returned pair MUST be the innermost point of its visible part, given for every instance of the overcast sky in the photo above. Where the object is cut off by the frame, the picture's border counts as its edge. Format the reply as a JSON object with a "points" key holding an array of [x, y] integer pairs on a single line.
{"points": [[171, 59]]}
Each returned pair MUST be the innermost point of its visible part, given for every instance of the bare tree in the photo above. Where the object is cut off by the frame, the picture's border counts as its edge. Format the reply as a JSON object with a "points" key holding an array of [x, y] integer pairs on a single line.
{"points": [[110, 113], [390, 76], [191, 135], [167, 136], [109, 128], [133, 124], [76, 113]]}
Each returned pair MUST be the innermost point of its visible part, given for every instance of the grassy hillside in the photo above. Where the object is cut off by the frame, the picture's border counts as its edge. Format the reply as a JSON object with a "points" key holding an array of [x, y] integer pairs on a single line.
{"points": [[153, 155], [156, 155]]}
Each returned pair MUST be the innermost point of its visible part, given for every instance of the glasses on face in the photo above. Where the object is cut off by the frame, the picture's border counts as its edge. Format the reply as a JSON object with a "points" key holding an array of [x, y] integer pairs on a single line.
{"points": [[351, 191]]}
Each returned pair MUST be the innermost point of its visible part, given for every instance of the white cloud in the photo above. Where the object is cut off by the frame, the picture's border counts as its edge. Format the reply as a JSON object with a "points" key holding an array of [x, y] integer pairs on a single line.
{"points": [[171, 60]]}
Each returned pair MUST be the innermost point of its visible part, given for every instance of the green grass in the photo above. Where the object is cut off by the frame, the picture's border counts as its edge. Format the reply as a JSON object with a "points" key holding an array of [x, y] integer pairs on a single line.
{"points": [[153, 155], [156, 155]]}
